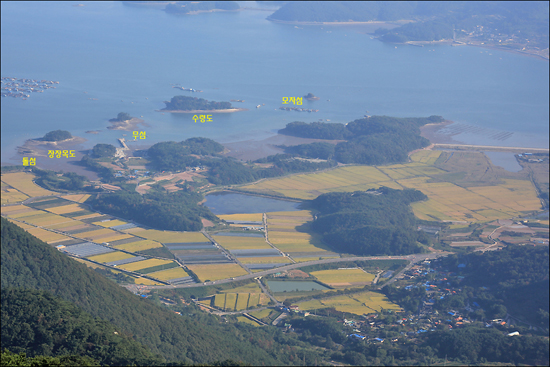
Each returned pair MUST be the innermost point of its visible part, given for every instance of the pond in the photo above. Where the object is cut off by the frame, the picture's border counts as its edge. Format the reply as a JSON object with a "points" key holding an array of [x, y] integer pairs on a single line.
{"points": [[229, 203], [278, 286], [505, 160]]}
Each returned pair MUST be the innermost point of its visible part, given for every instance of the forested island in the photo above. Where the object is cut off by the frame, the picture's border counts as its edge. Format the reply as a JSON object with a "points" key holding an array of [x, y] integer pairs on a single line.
{"points": [[372, 140], [57, 135], [194, 7], [186, 104]]}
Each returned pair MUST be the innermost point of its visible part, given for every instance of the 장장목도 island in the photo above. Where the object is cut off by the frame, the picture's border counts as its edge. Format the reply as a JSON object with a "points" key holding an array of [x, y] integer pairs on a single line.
{"points": [[183, 104]]}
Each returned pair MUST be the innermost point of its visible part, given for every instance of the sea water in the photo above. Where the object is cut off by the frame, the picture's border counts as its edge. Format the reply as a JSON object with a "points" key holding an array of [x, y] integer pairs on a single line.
{"points": [[111, 58]]}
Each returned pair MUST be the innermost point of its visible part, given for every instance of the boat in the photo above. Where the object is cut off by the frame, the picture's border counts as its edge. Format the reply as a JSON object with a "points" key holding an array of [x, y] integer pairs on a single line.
{"points": [[258, 106]]}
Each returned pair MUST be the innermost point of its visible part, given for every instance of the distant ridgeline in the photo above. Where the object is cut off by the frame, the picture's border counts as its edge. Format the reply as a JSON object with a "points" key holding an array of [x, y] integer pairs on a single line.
{"points": [[432, 22], [183, 103], [373, 140], [372, 222], [186, 7]]}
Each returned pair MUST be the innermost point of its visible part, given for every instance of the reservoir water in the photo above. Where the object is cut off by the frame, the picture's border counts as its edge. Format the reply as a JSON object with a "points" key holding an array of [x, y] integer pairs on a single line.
{"points": [[229, 203], [505, 160], [294, 286], [109, 58]]}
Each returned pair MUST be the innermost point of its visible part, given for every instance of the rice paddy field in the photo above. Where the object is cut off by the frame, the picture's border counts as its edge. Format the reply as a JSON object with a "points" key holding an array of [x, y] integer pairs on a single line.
{"points": [[65, 209], [247, 321], [98, 234], [169, 274], [217, 271], [241, 242], [23, 182], [110, 223], [358, 304], [340, 278], [257, 217], [79, 198], [10, 195], [145, 281], [144, 264], [460, 187], [47, 236], [239, 301], [168, 236], [21, 225], [263, 260], [138, 246], [110, 256]]}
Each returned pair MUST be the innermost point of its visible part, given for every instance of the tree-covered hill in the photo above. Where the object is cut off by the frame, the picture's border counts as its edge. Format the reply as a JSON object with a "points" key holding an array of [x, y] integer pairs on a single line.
{"points": [[374, 222], [37, 323], [374, 140], [29, 263], [57, 135], [184, 103]]}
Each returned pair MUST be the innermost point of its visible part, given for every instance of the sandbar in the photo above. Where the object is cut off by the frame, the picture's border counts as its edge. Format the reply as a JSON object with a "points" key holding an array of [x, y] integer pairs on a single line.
{"points": [[126, 125], [228, 110]]}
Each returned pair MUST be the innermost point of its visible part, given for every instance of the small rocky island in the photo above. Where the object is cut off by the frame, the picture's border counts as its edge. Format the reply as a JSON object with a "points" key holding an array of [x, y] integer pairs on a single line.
{"points": [[183, 104], [125, 122], [311, 97]]}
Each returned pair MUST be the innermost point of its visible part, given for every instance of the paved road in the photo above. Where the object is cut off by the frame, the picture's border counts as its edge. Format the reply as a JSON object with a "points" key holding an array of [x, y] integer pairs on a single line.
{"points": [[413, 258]]}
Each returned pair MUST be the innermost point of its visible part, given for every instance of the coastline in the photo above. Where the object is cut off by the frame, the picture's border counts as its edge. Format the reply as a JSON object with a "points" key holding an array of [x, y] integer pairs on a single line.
{"points": [[370, 22], [229, 110]]}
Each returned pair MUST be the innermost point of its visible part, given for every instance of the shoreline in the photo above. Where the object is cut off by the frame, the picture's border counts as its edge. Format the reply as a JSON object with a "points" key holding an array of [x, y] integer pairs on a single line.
{"points": [[370, 22], [229, 110]]}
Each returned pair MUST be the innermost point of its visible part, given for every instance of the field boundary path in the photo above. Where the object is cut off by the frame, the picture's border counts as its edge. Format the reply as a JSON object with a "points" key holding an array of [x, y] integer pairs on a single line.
{"points": [[226, 253], [264, 217], [490, 147]]}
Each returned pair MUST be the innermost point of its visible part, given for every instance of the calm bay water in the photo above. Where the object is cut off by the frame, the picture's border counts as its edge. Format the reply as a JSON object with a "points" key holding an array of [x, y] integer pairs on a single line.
{"points": [[128, 57]]}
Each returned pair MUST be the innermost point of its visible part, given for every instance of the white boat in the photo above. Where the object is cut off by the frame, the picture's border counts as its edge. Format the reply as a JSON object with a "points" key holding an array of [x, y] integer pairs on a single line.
{"points": [[258, 106]]}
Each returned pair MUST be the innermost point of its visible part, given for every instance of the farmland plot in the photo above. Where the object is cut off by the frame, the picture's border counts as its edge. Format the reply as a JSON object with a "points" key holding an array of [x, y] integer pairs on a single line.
{"points": [[23, 182], [343, 277], [217, 271]]}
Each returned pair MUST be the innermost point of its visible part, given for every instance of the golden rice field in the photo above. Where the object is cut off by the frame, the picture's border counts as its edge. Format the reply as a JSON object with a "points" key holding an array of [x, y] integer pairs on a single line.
{"points": [[242, 301], [118, 236], [87, 216], [110, 256], [145, 281], [21, 225], [256, 217], [359, 304], [343, 277], [79, 198], [71, 208], [28, 212], [260, 314], [110, 223], [22, 181], [217, 271], [241, 243], [143, 264], [169, 274], [138, 246], [169, 236], [298, 213], [263, 260], [239, 301], [47, 236], [98, 233], [247, 321], [230, 299], [10, 195], [13, 209], [46, 219], [64, 226]]}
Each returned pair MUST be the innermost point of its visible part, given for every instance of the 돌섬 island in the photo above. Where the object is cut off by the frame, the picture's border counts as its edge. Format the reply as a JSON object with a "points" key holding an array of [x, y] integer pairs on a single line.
{"points": [[183, 104]]}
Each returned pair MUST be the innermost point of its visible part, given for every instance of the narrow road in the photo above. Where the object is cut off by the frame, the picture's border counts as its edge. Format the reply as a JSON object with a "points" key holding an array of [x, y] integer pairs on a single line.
{"points": [[264, 217], [264, 289], [226, 253]]}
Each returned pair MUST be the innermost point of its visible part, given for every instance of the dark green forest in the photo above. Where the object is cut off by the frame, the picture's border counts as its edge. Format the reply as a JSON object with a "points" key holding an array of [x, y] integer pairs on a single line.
{"points": [[177, 211], [103, 150], [68, 181], [512, 280], [183, 103], [38, 323], [373, 222], [193, 337], [373, 141], [122, 116], [57, 135]]}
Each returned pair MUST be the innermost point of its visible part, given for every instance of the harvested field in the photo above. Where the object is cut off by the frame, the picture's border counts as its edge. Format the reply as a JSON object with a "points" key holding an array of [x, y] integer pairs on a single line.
{"points": [[117, 237], [169, 236], [69, 225], [64, 209], [343, 277], [136, 266], [21, 225], [88, 216], [46, 236], [14, 209], [264, 260], [359, 303], [145, 281], [217, 271], [109, 223], [79, 198], [96, 234], [23, 182], [10, 195], [305, 214], [111, 256], [169, 274], [46, 219], [28, 212], [241, 243], [258, 217]]}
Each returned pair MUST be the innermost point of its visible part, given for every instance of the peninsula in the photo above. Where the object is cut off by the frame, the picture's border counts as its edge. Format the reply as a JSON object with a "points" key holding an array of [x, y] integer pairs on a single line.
{"points": [[183, 104]]}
